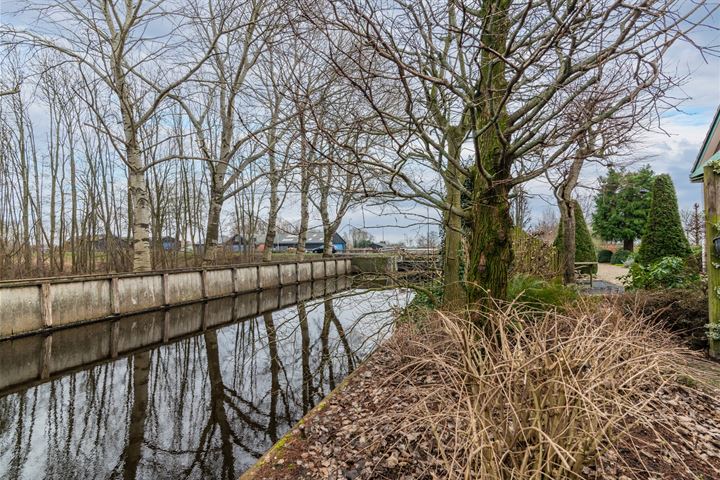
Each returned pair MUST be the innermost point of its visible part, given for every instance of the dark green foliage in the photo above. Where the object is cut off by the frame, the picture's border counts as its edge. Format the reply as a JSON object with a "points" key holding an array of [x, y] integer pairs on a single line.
{"points": [[584, 248], [683, 311], [539, 294], [668, 272], [604, 256], [619, 257], [664, 236], [621, 207]]}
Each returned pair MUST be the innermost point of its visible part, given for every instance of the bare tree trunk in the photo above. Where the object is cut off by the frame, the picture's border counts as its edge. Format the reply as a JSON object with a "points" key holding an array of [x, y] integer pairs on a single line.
{"points": [[304, 191], [454, 292], [272, 216], [564, 196], [140, 212]]}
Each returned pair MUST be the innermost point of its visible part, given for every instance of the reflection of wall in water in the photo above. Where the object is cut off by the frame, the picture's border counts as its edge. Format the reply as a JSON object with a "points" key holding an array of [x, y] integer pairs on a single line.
{"points": [[210, 397], [25, 359]]}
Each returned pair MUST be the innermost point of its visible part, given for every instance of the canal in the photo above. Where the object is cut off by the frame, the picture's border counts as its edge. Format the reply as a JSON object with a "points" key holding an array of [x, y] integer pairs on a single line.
{"points": [[201, 391]]}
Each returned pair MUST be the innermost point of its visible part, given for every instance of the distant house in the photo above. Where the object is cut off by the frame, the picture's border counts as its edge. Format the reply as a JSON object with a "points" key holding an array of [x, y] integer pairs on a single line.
{"points": [[169, 243], [101, 243], [284, 241], [241, 243]]}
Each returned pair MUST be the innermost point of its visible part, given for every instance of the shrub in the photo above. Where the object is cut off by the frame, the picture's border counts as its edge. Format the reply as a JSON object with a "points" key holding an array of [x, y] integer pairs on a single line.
{"points": [[668, 272], [604, 256], [664, 235], [541, 401], [619, 257], [584, 248], [539, 294], [682, 311], [533, 257]]}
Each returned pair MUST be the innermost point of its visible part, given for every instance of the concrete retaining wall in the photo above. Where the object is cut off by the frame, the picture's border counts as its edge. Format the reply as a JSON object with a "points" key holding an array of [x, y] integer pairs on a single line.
{"points": [[35, 359], [35, 305], [375, 263]]}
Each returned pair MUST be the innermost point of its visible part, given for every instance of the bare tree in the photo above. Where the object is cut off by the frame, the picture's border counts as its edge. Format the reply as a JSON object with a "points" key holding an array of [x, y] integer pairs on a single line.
{"points": [[113, 44], [481, 87]]}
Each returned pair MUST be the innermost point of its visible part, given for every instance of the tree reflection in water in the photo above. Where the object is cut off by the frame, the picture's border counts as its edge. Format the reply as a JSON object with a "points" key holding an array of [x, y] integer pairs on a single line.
{"points": [[206, 406]]}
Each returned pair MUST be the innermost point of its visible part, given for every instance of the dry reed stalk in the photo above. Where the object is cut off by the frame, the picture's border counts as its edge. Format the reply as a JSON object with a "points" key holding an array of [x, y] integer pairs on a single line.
{"points": [[536, 397]]}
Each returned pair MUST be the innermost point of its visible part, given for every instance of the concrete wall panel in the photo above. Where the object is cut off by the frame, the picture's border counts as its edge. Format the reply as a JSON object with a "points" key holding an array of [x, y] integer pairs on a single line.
{"points": [[304, 272], [330, 268], [87, 300], [184, 287], [219, 282], [247, 279], [20, 310], [288, 274], [139, 293], [318, 270], [269, 276]]}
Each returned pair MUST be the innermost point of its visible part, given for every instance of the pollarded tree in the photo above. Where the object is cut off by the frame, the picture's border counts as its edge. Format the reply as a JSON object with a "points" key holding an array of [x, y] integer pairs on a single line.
{"points": [[664, 235], [622, 206], [584, 248]]}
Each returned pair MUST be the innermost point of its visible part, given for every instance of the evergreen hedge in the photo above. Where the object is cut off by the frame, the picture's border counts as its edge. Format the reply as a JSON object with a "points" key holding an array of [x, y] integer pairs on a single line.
{"points": [[604, 256], [619, 257], [584, 248], [664, 235]]}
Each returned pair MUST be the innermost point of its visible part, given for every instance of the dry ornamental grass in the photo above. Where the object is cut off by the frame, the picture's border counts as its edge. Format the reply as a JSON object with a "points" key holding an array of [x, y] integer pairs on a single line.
{"points": [[537, 397]]}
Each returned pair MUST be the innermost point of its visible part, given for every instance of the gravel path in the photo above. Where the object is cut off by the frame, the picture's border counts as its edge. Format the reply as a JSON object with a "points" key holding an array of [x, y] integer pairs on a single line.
{"points": [[610, 273]]}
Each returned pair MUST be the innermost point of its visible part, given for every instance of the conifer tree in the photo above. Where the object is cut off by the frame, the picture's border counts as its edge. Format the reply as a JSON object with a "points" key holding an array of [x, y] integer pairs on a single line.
{"points": [[664, 235]]}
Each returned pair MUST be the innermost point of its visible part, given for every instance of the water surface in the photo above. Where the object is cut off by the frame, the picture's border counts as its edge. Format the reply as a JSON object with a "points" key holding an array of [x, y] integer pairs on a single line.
{"points": [[205, 405]]}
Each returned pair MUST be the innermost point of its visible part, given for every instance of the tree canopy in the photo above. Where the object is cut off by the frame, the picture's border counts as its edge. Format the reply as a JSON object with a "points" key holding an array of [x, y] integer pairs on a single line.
{"points": [[664, 235], [622, 206]]}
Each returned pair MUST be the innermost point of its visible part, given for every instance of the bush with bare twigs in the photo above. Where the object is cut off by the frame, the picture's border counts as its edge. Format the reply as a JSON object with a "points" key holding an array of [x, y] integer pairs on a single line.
{"points": [[537, 397]]}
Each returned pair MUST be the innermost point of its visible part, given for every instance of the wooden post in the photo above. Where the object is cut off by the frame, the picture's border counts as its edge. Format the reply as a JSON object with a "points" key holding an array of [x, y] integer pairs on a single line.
{"points": [[712, 222], [46, 302]]}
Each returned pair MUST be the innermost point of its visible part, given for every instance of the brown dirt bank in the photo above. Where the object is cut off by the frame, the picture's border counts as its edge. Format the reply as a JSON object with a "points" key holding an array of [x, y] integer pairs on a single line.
{"points": [[362, 431]]}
